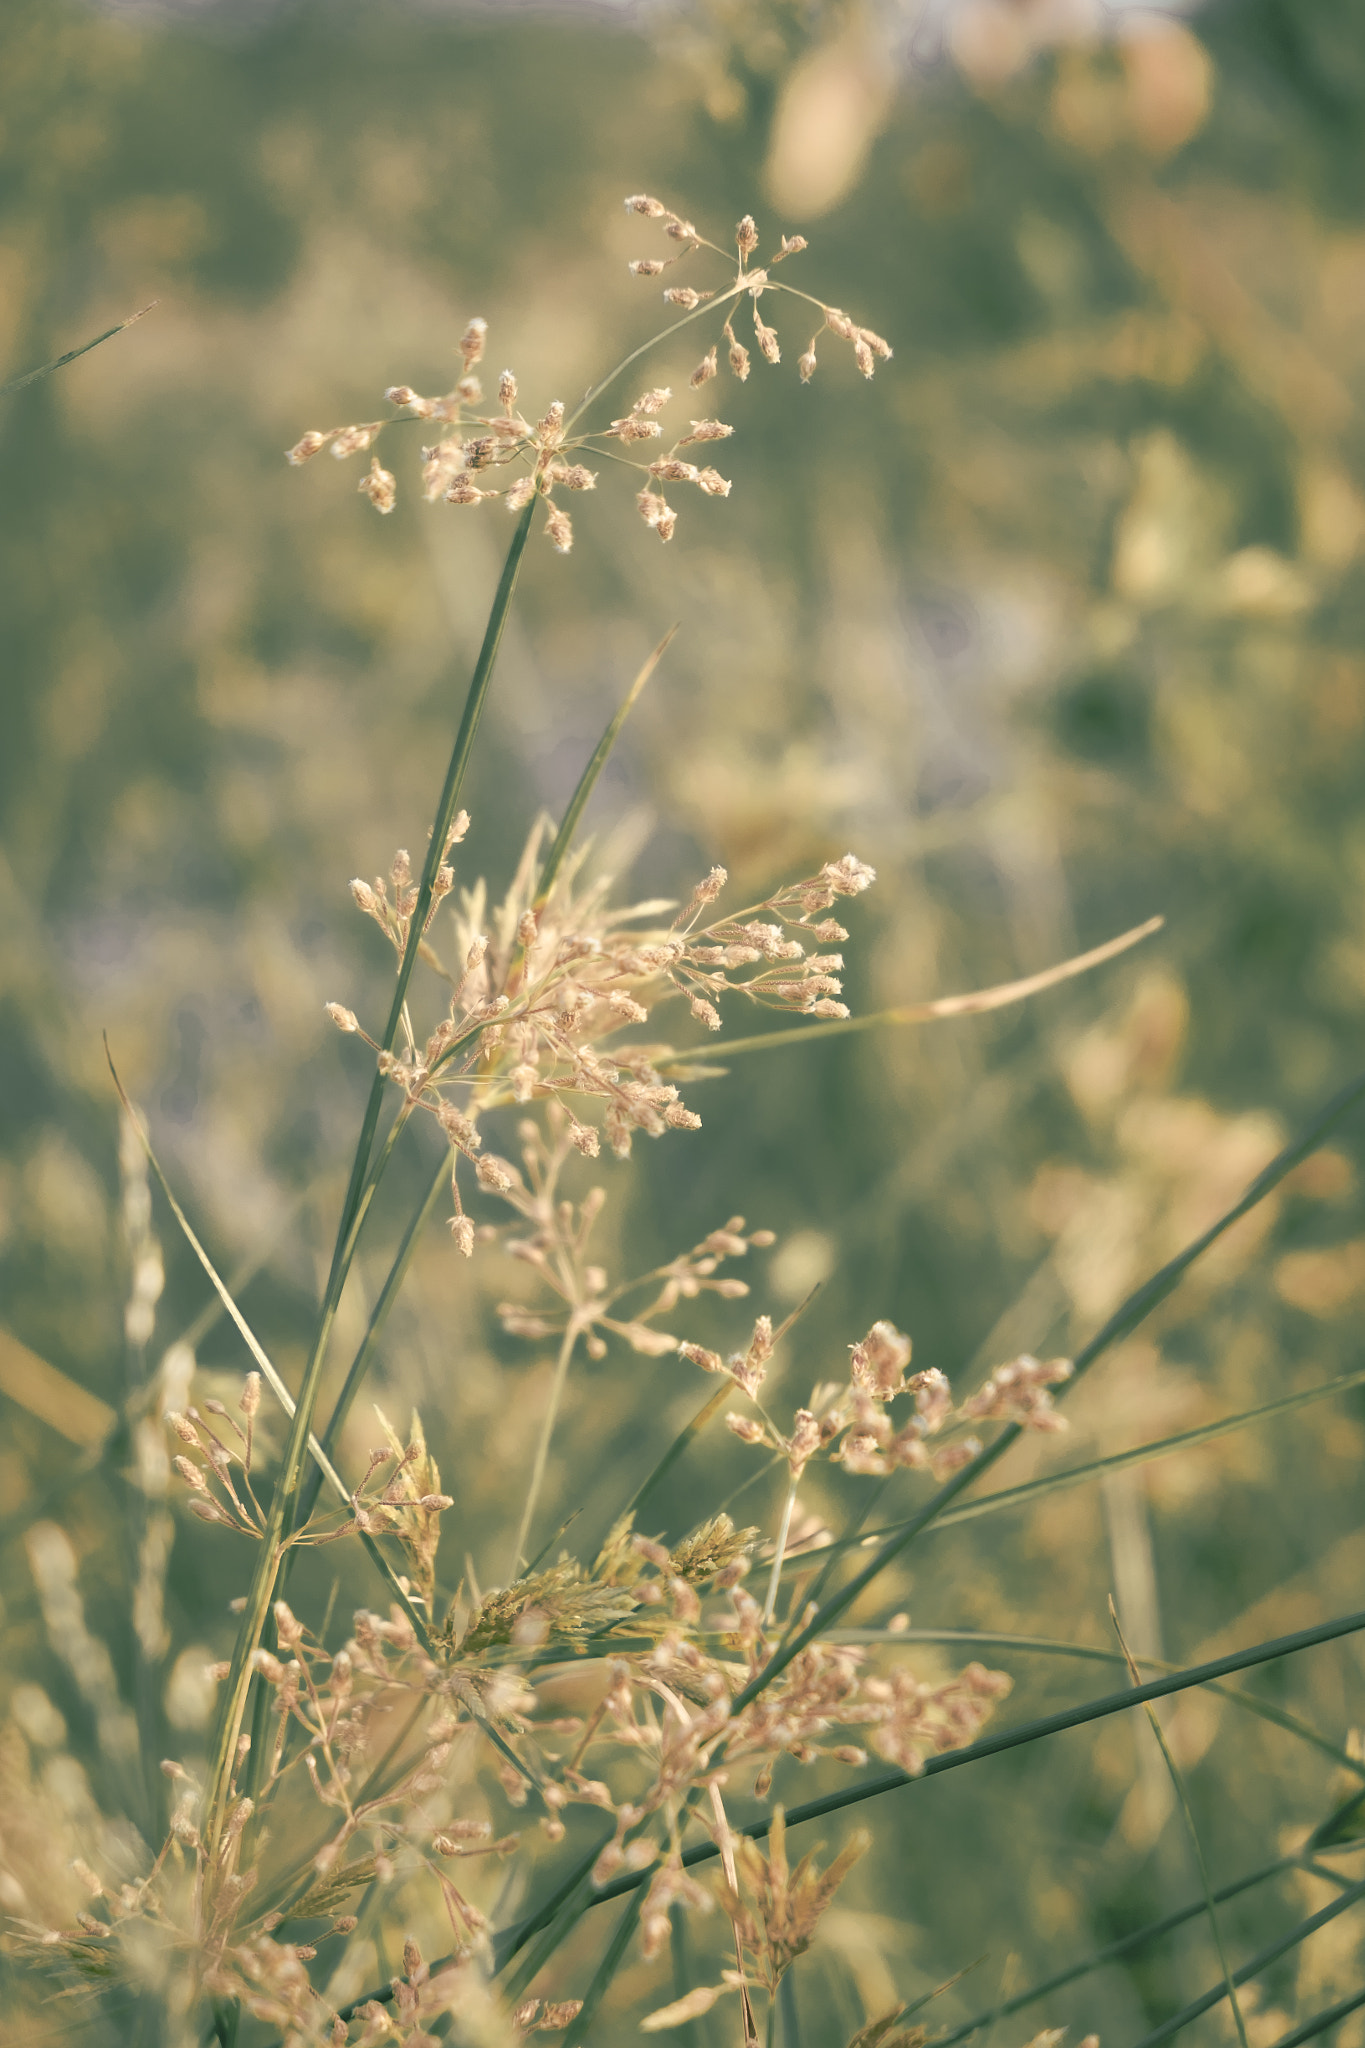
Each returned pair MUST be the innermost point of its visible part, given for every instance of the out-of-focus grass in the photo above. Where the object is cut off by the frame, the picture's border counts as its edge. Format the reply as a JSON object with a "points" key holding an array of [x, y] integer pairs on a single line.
{"points": [[1059, 625]]}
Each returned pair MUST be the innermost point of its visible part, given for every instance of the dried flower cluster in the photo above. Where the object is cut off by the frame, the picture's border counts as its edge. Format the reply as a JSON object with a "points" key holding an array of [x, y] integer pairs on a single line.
{"points": [[673, 1636], [544, 986], [852, 1423], [635, 1691], [484, 454]]}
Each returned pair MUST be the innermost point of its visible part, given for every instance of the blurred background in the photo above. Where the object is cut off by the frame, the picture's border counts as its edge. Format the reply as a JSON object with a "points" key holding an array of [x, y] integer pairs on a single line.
{"points": [[1058, 623]]}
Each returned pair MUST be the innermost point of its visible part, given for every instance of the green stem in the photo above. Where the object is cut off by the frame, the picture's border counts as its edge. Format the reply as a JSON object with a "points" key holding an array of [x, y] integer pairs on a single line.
{"points": [[780, 1550], [698, 313], [1187, 1814], [1015, 1738], [1114, 1950], [360, 1364], [445, 814], [365, 1176], [60, 362], [1262, 1960], [547, 1430], [606, 1970]]}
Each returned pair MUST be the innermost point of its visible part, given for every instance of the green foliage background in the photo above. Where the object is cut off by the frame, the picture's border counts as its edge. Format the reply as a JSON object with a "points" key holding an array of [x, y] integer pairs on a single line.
{"points": [[1058, 623]]}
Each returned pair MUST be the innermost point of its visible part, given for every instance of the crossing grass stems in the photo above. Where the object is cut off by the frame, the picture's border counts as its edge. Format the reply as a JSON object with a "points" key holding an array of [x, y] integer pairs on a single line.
{"points": [[641, 1695]]}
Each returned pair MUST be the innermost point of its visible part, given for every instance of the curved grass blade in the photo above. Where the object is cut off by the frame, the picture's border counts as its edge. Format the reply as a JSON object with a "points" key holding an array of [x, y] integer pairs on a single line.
{"points": [[970, 1005], [606, 1970], [1260, 1961], [360, 1364], [1125, 1319], [1321, 2022], [268, 1565], [1187, 1813], [323, 1464], [1114, 1951], [587, 781], [60, 362]]}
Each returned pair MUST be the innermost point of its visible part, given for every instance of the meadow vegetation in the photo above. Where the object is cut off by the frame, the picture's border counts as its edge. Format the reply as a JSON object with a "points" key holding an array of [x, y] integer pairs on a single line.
{"points": [[464, 1564]]}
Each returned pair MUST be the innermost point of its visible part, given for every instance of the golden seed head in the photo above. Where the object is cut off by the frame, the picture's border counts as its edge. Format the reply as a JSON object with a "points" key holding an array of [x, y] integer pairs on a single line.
{"points": [[507, 388], [550, 427], [640, 202], [462, 1230], [645, 266], [767, 339], [705, 370], [806, 364], [354, 440], [559, 527], [380, 486], [634, 428], [472, 342], [746, 237], [304, 450]]}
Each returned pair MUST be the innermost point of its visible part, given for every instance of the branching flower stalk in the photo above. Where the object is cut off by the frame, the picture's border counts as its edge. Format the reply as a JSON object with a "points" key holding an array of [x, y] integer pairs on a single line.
{"points": [[535, 1009]]}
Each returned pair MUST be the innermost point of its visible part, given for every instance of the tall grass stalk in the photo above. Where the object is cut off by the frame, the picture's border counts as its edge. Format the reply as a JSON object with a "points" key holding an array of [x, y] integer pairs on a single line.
{"points": [[344, 1777]]}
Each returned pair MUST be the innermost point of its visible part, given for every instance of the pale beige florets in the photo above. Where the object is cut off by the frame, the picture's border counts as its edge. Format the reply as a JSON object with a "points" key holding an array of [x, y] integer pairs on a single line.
{"points": [[537, 454]]}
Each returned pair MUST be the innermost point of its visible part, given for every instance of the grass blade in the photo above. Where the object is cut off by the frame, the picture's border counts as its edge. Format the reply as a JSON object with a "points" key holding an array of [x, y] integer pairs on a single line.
{"points": [[606, 1970], [587, 781], [1125, 1319], [60, 362], [970, 1005], [366, 1173], [1321, 2022], [1113, 1951], [573, 1891], [1026, 1732], [1178, 1785], [1260, 1961], [324, 1467], [362, 1178], [360, 1364], [286, 1400]]}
